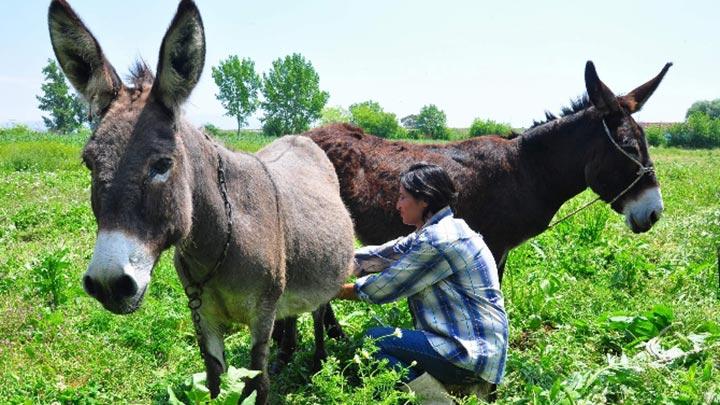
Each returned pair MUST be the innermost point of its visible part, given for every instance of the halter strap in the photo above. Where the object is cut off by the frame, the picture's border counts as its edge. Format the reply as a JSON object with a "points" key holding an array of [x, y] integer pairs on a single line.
{"points": [[642, 170]]}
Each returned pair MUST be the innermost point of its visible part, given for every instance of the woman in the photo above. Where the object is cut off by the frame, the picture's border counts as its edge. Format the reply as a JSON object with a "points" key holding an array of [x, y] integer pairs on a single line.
{"points": [[450, 280]]}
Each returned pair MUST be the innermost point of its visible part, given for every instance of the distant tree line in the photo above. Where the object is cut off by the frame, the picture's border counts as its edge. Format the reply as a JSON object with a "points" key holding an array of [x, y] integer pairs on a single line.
{"points": [[292, 101], [701, 128], [429, 123]]}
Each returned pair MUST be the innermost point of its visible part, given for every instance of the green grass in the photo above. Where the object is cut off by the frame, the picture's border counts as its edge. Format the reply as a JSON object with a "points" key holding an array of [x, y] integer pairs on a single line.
{"points": [[582, 299]]}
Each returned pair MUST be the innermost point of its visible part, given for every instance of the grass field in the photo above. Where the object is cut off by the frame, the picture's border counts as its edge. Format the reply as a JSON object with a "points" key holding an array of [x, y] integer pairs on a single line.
{"points": [[583, 300]]}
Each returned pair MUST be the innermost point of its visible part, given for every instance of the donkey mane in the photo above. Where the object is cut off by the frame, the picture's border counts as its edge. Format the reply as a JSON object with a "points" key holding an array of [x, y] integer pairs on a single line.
{"points": [[538, 137], [577, 104], [141, 76]]}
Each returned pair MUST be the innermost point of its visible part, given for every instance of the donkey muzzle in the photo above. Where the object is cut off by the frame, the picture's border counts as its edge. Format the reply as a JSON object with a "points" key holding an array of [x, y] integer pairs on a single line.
{"points": [[119, 271]]}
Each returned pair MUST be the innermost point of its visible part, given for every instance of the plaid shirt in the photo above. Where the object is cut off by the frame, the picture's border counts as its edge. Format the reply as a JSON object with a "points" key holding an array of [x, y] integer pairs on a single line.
{"points": [[450, 279]]}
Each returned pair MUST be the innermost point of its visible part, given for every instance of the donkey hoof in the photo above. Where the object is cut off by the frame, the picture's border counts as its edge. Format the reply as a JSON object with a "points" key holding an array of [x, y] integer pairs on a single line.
{"points": [[260, 385], [317, 363], [337, 334]]}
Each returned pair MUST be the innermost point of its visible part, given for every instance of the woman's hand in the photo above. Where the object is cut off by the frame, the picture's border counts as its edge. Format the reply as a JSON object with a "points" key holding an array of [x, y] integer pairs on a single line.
{"points": [[347, 292]]}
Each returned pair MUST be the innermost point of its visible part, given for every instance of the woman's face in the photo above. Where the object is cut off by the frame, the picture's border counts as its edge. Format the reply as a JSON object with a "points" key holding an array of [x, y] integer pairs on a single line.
{"points": [[411, 209]]}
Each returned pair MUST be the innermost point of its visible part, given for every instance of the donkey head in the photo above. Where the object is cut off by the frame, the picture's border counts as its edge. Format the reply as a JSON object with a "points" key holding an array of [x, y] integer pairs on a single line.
{"points": [[141, 183], [610, 172]]}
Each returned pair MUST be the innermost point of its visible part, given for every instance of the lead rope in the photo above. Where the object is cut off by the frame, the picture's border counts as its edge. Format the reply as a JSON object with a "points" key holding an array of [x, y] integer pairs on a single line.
{"points": [[642, 170]]}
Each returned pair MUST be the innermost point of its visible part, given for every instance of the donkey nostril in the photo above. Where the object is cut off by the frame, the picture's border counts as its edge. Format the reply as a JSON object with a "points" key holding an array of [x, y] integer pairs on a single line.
{"points": [[89, 286], [654, 217], [125, 287]]}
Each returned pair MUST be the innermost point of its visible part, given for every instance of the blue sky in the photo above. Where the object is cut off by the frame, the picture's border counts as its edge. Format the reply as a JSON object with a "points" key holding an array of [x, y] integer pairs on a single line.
{"points": [[509, 61]]}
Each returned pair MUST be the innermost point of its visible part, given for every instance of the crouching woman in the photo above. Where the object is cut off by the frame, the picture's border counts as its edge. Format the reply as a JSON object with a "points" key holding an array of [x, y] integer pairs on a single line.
{"points": [[451, 283]]}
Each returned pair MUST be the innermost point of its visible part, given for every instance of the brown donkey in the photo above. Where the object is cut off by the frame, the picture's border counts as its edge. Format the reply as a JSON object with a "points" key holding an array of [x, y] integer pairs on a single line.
{"points": [[509, 190], [256, 236]]}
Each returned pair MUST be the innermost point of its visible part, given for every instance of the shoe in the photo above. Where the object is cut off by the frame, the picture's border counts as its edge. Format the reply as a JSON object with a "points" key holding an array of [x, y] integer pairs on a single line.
{"points": [[483, 390], [429, 391]]}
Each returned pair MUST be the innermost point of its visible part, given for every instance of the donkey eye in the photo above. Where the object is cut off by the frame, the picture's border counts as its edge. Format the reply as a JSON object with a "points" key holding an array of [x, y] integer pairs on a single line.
{"points": [[160, 167]]}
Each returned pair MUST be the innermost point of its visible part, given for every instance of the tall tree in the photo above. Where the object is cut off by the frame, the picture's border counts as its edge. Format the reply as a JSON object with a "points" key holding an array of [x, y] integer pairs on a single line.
{"points": [[67, 110], [432, 121], [709, 107], [293, 98], [239, 85], [410, 121]]}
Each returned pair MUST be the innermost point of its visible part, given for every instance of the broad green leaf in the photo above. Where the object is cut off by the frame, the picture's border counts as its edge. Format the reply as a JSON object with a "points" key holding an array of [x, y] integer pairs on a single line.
{"points": [[172, 399], [643, 327]]}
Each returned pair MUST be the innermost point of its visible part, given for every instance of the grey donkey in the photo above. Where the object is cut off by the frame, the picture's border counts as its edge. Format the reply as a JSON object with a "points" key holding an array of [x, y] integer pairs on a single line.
{"points": [[256, 237]]}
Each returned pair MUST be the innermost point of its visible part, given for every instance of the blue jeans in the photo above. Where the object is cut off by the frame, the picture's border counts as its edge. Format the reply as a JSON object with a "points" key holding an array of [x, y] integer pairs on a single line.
{"points": [[414, 346]]}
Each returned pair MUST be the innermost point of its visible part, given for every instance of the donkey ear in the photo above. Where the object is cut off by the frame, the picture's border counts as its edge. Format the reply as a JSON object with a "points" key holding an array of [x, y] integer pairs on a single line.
{"points": [[635, 100], [600, 95], [182, 56], [81, 57]]}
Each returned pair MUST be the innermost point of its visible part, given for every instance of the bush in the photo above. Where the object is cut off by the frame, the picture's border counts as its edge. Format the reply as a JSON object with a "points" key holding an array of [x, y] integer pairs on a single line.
{"points": [[331, 115], [273, 126], [489, 127], [402, 133], [413, 134], [369, 116], [451, 134], [213, 130], [698, 131], [656, 135], [458, 134]]}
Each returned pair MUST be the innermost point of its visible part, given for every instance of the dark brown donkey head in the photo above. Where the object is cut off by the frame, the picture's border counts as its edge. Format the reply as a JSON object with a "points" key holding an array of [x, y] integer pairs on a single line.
{"points": [[141, 183], [620, 171]]}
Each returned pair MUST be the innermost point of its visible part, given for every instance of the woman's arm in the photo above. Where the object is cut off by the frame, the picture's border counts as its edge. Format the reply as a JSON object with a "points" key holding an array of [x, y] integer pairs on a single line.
{"points": [[373, 259], [423, 265]]}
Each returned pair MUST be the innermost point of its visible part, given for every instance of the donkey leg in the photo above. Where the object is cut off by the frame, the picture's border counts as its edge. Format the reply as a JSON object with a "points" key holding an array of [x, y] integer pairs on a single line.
{"points": [[334, 330], [318, 325], [278, 331], [288, 344], [261, 330], [212, 348]]}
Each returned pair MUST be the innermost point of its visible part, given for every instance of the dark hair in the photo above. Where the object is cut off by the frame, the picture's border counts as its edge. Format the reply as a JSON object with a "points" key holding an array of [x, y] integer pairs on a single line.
{"points": [[429, 183]]}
